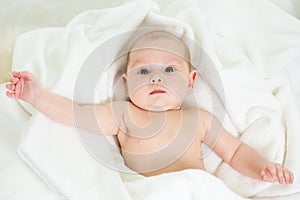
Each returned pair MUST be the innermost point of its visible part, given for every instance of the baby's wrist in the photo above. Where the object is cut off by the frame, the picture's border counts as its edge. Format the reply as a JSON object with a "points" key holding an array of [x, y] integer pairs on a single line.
{"points": [[38, 98]]}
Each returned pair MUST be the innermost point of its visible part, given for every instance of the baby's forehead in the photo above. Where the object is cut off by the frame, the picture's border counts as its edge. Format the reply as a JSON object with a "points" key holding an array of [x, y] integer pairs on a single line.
{"points": [[161, 41]]}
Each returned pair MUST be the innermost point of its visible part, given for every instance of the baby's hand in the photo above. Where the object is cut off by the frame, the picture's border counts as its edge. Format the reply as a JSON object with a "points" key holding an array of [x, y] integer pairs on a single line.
{"points": [[24, 86], [277, 173]]}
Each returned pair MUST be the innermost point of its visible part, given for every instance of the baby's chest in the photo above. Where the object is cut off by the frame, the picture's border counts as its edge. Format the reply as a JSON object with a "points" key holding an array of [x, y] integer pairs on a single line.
{"points": [[152, 130], [155, 140], [147, 139], [167, 149], [158, 132]]}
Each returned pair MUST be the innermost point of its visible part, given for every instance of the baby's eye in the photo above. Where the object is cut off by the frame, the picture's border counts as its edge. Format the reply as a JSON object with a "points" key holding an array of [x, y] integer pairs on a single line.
{"points": [[144, 71], [170, 69]]}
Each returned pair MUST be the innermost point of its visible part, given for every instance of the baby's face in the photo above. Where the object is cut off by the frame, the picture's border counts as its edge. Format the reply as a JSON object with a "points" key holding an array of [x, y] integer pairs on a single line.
{"points": [[158, 80]]}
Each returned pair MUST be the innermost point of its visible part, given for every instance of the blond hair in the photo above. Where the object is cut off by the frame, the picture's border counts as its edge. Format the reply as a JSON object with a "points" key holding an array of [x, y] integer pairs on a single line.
{"points": [[146, 42]]}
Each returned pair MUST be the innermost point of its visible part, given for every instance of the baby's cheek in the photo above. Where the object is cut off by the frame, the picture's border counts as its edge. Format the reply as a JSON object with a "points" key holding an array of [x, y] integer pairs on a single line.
{"points": [[135, 83], [177, 85]]}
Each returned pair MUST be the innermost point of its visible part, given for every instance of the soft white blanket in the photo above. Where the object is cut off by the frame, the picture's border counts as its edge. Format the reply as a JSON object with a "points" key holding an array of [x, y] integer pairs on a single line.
{"points": [[252, 53]]}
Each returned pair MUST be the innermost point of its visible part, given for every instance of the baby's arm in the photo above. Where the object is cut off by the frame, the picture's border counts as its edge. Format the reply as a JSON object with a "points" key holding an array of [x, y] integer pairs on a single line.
{"points": [[245, 159], [24, 86]]}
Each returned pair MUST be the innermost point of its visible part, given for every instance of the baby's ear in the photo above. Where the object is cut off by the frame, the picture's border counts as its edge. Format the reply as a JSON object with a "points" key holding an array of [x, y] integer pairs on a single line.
{"points": [[192, 77], [124, 77]]}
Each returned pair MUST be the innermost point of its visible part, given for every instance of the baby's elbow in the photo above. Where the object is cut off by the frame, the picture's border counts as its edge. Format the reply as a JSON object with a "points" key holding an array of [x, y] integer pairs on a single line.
{"points": [[234, 156]]}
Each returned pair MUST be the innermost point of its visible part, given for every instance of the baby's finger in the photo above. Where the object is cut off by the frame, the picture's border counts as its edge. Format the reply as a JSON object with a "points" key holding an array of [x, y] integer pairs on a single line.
{"points": [[267, 175], [26, 74], [10, 86], [272, 171], [10, 94], [280, 175], [18, 88], [288, 176], [14, 80], [16, 74]]}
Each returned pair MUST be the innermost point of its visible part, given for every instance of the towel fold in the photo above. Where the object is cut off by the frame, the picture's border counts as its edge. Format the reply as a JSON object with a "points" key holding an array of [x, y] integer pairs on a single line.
{"points": [[249, 52]]}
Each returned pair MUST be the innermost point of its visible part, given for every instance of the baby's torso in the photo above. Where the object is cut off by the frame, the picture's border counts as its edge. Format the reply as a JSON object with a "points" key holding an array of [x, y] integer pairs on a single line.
{"points": [[159, 142]]}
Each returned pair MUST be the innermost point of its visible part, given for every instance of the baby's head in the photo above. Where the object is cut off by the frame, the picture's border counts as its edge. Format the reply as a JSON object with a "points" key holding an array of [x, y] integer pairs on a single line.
{"points": [[158, 73]]}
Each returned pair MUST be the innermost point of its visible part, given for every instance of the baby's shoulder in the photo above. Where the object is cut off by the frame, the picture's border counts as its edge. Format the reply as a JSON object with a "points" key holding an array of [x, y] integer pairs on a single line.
{"points": [[202, 114], [202, 118], [116, 108], [117, 105]]}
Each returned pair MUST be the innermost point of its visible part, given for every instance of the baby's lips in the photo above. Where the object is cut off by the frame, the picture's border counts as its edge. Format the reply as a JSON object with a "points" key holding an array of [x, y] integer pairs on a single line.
{"points": [[157, 91]]}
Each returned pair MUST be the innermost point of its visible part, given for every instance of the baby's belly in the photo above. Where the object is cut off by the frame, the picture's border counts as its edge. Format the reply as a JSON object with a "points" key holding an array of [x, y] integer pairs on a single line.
{"points": [[158, 155]]}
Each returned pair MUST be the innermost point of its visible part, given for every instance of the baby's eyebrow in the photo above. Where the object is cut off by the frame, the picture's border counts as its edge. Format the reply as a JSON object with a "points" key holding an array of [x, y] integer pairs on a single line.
{"points": [[138, 62], [176, 61], [173, 61]]}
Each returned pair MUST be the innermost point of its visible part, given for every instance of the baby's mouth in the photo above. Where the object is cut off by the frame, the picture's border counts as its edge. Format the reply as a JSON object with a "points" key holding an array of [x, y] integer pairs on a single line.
{"points": [[157, 91]]}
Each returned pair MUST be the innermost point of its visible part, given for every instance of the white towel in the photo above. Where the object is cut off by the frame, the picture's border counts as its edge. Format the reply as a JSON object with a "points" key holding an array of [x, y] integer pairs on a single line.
{"points": [[244, 45]]}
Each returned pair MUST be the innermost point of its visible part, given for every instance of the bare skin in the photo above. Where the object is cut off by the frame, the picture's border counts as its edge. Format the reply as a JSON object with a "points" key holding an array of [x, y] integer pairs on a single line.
{"points": [[163, 148]]}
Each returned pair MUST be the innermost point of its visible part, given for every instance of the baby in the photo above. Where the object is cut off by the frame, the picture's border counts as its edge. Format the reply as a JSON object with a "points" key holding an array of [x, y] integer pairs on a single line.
{"points": [[156, 133]]}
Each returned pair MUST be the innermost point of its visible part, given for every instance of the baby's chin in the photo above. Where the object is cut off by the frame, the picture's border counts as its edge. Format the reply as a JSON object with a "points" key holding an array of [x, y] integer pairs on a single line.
{"points": [[159, 108]]}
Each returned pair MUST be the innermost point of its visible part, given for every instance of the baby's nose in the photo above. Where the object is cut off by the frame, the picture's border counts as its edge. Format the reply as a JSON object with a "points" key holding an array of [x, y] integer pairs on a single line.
{"points": [[156, 78]]}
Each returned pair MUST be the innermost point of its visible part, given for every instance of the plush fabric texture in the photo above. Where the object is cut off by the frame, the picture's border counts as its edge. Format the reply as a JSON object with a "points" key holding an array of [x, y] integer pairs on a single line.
{"points": [[253, 55]]}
